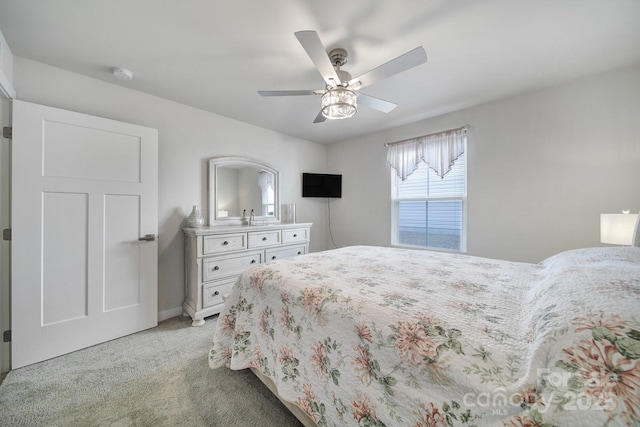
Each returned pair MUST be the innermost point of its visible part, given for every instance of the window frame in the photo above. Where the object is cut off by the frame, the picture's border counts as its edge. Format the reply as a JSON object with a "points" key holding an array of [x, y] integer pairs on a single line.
{"points": [[395, 199]]}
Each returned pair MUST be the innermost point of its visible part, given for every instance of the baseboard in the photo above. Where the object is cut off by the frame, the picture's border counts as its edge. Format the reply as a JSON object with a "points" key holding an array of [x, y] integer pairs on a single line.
{"points": [[168, 314]]}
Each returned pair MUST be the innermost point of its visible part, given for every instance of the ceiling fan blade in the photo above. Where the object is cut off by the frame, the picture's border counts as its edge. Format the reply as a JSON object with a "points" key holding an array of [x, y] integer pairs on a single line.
{"points": [[402, 63], [318, 54], [320, 118], [376, 103], [289, 92]]}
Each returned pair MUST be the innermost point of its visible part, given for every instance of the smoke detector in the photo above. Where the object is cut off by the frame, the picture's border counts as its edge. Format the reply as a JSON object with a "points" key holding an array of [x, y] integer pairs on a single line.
{"points": [[123, 74]]}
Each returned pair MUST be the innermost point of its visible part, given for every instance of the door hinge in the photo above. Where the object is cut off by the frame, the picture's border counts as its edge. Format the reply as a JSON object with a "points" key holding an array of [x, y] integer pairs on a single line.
{"points": [[7, 132], [6, 336], [6, 234]]}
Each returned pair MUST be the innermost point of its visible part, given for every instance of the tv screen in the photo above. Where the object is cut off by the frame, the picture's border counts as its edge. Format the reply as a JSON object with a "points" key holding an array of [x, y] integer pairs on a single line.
{"points": [[321, 185]]}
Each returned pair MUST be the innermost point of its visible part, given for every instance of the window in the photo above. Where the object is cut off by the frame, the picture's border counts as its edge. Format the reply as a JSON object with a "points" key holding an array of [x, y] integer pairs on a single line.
{"points": [[265, 182], [429, 211], [268, 202]]}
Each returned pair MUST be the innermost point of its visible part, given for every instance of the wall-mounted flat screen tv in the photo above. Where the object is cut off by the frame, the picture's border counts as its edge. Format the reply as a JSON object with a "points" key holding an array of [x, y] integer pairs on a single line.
{"points": [[321, 185]]}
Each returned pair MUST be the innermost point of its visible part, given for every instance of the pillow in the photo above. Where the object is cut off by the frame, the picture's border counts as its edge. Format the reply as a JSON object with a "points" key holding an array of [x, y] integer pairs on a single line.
{"points": [[589, 259]]}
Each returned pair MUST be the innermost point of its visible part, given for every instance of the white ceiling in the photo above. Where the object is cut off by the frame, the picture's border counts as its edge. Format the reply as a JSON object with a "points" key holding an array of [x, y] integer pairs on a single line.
{"points": [[215, 55]]}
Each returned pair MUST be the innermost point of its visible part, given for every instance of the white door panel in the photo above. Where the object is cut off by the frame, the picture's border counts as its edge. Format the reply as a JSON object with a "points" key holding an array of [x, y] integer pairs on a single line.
{"points": [[98, 154], [64, 272], [84, 190], [121, 287]]}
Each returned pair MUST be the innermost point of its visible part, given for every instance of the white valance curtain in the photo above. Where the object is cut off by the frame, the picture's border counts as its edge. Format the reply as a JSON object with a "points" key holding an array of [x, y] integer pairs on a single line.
{"points": [[438, 150], [265, 180]]}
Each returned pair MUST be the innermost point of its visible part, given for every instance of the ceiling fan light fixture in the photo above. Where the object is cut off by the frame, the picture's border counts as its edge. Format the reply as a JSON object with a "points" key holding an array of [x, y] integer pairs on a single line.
{"points": [[338, 103]]}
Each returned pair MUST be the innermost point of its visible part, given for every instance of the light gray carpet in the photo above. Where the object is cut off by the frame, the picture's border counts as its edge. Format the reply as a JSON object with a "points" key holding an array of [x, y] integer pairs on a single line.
{"points": [[158, 377]]}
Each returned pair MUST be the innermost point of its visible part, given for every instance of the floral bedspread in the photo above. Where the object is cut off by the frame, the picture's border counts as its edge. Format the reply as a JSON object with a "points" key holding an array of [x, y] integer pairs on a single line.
{"points": [[371, 336]]}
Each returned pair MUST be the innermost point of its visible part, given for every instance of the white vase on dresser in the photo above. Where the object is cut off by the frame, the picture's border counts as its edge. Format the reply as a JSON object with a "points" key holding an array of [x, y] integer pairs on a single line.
{"points": [[195, 219], [215, 256]]}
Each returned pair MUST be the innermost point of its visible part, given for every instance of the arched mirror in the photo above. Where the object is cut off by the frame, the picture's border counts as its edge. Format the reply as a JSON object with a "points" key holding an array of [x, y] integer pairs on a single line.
{"points": [[240, 184]]}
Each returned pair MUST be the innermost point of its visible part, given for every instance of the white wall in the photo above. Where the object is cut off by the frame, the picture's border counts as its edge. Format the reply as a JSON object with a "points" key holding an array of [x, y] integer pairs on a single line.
{"points": [[187, 138], [542, 166], [6, 70]]}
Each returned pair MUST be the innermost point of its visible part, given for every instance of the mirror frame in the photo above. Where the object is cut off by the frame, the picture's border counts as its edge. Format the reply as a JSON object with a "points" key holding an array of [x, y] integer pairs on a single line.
{"points": [[214, 164]]}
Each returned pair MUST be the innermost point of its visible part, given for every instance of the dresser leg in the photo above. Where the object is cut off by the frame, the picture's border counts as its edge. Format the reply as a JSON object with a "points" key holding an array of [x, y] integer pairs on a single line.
{"points": [[198, 322]]}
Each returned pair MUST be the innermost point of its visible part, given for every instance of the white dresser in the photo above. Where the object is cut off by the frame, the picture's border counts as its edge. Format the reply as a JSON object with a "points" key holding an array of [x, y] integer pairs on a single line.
{"points": [[215, 256]]}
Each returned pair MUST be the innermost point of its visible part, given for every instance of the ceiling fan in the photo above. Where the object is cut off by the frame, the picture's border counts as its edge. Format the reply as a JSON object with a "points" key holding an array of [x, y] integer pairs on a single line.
{"points": [[341, 91]]}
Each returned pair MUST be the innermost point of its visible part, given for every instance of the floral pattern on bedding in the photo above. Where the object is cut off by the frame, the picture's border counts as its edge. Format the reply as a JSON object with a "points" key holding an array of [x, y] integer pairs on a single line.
{"points": [[370, 336]]}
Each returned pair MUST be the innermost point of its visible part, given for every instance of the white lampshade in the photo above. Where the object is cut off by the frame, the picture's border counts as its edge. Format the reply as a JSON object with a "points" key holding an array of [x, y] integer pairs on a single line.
{"points": [[617, 229]]}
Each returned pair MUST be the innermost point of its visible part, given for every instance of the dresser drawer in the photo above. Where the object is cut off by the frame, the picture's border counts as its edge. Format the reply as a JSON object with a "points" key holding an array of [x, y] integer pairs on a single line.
{"points": [[224, 243], [212, 293], [220, 266], [295, 235], [258, 239], [289, 251]]}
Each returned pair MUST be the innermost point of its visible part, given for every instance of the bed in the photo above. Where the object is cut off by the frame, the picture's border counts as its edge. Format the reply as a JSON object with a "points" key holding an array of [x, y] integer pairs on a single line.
{"points": [[373, 336]]}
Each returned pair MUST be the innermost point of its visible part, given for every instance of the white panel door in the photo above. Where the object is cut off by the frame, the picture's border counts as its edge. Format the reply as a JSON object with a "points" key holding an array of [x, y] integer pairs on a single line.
{"points": [[84, 191]]}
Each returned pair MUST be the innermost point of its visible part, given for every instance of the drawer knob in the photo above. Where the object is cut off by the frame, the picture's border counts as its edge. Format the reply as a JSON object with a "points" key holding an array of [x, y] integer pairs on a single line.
{"points": [[216, 268], [215, 294], [273, 257], [264, 238], [225, 243], [299, 252], [295, 235], [253, 261]]}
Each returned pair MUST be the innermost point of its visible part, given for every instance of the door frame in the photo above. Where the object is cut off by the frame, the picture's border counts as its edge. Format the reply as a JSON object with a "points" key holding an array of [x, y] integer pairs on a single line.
{"points": [[5, 246], [7, 94]]}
